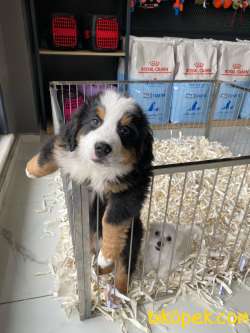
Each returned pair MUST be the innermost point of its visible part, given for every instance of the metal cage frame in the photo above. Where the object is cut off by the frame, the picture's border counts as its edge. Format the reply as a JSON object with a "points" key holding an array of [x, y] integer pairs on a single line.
{"points": [[78, 196]]}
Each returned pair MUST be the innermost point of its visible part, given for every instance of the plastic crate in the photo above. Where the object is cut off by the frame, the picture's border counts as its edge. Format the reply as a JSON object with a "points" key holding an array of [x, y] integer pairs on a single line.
{"points": [[101, 33], [64, 31]]}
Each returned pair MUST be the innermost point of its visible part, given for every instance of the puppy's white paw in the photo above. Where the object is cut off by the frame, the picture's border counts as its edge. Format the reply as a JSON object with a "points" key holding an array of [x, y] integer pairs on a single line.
{"points": [[102, 261], [29, 175]]}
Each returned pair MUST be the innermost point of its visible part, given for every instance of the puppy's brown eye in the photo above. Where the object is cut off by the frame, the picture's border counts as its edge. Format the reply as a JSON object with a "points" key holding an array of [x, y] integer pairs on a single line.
{"points": [[124, 130], [95, 122], [168, 239], [157, 233]]}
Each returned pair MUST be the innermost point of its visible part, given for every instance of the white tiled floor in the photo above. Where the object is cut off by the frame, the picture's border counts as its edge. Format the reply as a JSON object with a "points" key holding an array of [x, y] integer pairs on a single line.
{"points": [[26, 304]]}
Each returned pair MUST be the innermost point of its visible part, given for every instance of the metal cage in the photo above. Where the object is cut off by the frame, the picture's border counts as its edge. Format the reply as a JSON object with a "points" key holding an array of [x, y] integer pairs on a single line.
{"points": [[222, 243]]}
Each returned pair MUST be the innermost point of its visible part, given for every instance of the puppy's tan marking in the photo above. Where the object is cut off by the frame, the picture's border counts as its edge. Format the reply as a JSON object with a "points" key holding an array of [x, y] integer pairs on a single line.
{"points": [[93, 243], [129, 156], [116, 187], [100, 112], [114, 238], [106, 270], [36, 170], [121, 277], [126, 120]]}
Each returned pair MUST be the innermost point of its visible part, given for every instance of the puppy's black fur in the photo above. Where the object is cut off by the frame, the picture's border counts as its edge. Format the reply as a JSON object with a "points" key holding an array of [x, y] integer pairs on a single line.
{"points": [[128, 203]]}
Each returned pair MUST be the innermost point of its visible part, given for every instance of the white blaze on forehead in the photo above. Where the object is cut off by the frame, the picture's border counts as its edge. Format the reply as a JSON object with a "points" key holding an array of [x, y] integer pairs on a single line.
{"points": [[115, 105]]}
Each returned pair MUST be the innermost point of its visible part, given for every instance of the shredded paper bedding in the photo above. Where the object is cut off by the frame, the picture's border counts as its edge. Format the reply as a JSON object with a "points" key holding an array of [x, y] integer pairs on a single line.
{"points": [[218, 258]]}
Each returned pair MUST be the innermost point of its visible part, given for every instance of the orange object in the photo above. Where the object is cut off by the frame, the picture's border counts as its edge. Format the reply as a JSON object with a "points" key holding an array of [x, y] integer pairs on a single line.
{"points": [[227, 3], [217, 3]]}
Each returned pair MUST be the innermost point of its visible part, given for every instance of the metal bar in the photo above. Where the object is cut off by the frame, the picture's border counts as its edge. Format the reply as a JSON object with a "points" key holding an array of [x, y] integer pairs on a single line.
{"points": [[221, 208], [147, 227], [130, 251], [231, 216], [63, 111], [77, 102], [57, 115], [212, 109], [238, 234], [70, 102], [145, 81], [200, 165], [236, 135], [164, 222], [214, 123], [244, 246], [82, 247], [190, 235], [204, 224], [67, 188], [209, 247], [97, 241], [177, 229]]}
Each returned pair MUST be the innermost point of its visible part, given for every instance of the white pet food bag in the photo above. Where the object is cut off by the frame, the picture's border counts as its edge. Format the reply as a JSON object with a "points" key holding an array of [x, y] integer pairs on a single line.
{"points": [[152, 59], [121, 63], [196, 60], [245, 110], [234, 67]]}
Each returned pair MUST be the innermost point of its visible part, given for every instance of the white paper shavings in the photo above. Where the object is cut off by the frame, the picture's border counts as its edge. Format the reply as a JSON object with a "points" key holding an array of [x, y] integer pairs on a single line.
{"points": [[214, 272]]}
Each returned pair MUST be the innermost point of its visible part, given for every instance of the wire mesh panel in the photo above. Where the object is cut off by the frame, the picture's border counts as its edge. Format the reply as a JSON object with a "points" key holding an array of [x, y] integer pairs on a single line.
{"points": [[196, 215]]}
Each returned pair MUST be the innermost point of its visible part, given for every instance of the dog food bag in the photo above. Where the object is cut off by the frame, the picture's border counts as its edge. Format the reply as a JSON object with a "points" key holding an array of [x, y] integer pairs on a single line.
{"points": [[152, 59], [245, 109], [196, 60], [234, 67]]}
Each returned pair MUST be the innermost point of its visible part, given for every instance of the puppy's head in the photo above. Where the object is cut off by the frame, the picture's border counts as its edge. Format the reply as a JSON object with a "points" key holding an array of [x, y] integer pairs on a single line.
{"points": [[182, 240], [111, 131], [157, 240]]}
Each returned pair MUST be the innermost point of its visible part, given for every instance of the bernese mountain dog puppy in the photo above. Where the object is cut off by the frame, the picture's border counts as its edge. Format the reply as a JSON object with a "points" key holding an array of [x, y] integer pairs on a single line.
{"points": [[107, 145]]}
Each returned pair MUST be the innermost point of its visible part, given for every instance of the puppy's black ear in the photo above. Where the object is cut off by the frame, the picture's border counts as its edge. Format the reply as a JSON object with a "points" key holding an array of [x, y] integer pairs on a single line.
{"points": [[146, 153], [145, 148], [70, 130]]}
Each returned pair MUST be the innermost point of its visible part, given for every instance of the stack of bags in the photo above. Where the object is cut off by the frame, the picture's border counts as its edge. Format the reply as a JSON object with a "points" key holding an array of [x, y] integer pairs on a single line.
{"points": [[181, 60]]}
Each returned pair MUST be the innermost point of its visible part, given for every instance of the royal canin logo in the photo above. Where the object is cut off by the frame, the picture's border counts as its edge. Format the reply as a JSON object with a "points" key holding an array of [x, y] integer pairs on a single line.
{"points": [[236, 66], [198, 68], [154, 63], [198, 65], [236, 70], [154, 66]]}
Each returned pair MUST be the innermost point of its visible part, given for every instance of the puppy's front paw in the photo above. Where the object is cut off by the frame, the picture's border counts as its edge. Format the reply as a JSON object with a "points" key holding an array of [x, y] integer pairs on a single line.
{"points": [[29, 175], [103, 262]]}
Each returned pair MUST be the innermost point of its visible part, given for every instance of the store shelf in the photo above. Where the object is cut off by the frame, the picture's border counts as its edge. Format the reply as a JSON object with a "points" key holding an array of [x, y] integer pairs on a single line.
{"points": [[85, 53]]}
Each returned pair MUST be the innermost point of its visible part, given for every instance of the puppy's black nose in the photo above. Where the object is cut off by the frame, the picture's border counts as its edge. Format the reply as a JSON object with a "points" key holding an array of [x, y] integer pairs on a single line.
{"points": [[159, 244], [102, 149]]}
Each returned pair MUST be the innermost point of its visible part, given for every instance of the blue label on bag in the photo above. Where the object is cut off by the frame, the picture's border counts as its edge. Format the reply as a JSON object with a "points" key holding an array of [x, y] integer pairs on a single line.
{"points": [[245, 111], [154, 99], [245, 108], [229, 102], [190, 102]]}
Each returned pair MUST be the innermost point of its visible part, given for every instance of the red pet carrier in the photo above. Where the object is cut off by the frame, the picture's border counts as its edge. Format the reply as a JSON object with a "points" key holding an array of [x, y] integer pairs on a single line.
{"points": [[101, 32], [64, 31]]}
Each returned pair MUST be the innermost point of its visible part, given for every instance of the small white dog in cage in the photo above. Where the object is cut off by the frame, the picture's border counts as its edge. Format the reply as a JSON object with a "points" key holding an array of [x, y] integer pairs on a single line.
{"points": [[170, 244]]}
